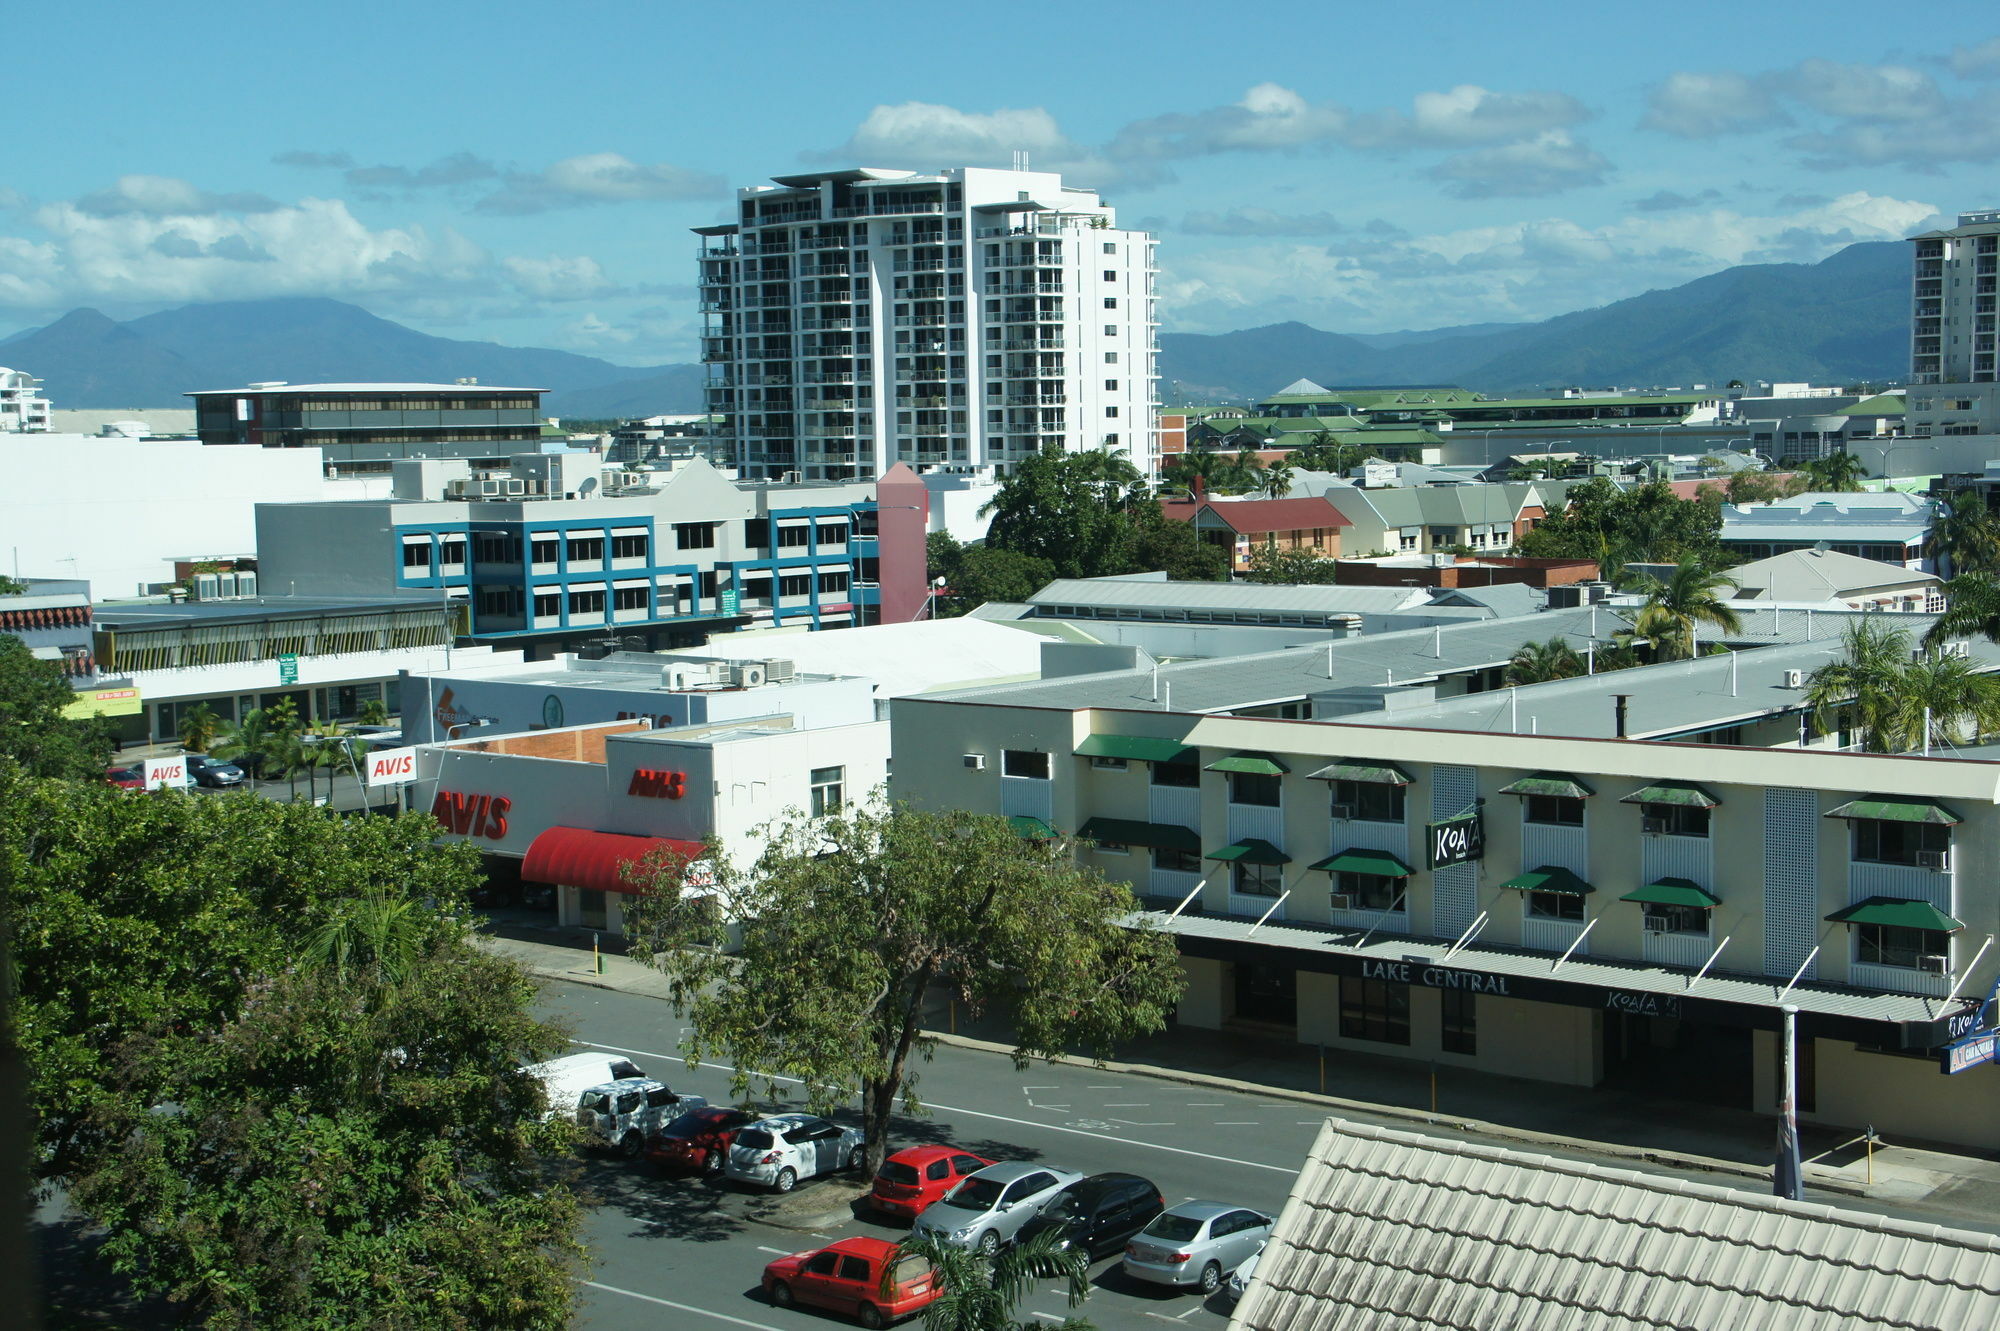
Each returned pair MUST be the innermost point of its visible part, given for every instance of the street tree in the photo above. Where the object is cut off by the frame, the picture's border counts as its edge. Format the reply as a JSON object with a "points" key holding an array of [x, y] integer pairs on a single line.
{"points": [[1646, 523], [34, 733], [850, 925], [1839, 472], [1169, 545], [199, 727]]}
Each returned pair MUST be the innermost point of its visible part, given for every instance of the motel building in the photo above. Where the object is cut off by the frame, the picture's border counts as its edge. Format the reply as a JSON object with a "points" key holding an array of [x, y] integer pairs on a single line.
{"points": [[570, 804], [1619, 880]]}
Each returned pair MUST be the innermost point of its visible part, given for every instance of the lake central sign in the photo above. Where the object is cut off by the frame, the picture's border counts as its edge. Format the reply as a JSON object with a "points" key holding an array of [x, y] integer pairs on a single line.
{"points": [[1459, 840]]}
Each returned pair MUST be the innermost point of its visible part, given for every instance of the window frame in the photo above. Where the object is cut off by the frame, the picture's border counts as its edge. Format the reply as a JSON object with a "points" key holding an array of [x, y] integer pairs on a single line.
{"points": [[1257, 880], [1377, 1011], [1254, 785], [1370, 798], [1559, 907], [1010, 759], [1557, 804]]}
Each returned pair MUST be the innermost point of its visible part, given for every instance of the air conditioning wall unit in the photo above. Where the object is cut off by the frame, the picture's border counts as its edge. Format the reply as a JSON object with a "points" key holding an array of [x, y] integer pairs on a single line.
{"points": [[1342, 901], [1958, 649], [1795, 679], [1658, 924], [1934, 859], [1934, 964], [1652, 823], [747, 676], [975, 761], [1343, 812]]}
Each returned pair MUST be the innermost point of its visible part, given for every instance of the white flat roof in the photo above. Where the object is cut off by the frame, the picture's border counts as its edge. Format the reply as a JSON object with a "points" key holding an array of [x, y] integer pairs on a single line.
{"points": [[902, 659], [248, 390]]}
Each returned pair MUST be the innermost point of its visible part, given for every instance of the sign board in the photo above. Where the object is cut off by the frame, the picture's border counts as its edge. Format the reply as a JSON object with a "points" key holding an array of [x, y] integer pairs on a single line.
{"points": [[105, 702], [288, 670], [1459, 840], [1970, 1052], [392, 767], [731, 602], [169, 772]]}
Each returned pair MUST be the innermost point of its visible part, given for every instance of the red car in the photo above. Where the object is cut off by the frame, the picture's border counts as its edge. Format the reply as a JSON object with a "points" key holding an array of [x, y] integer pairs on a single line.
{"points": [[912, 1179], [698, 1139], [126, 778], [847, 1278]]}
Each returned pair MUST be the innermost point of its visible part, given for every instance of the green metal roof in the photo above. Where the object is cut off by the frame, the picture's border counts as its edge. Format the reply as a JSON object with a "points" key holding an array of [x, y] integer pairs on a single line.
{"points": [[1257, 764], [1032, 828], [1685, 793], [1353, 769], [1674, 892], [1897, 811], [1131, 832], [1559, 784], [1897, 912], [1550, 878], [1250, 851], [1378, 862], [1141, 748]]}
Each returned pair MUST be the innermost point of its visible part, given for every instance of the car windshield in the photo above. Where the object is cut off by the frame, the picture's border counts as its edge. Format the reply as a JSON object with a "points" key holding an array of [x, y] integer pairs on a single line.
{"points": [[1066, 1204], [1174, 1228], [597, 1102], [755, 1138], [692, 1124], [977, 1194], [894, 1171]]}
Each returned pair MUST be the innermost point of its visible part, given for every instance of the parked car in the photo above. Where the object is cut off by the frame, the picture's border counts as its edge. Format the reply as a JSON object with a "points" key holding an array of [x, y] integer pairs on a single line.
{"points": [[622, 1114], [213, 772], [990, 1208], [1098, 1214], [1239, 1284], [126, 778], [698, 1139], [784, 1149], [1196, 1244], [847, 1278], [912, 1179], [565, 1079]]}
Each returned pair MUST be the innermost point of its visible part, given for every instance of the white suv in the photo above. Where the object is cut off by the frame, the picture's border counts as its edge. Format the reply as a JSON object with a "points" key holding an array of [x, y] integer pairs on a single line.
{"points": [[785, 1148], [625, 1112]]}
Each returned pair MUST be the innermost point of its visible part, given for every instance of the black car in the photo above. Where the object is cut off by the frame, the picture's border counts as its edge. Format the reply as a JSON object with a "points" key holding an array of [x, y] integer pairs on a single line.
{"points": [[1097, 1214], [208, 771]]}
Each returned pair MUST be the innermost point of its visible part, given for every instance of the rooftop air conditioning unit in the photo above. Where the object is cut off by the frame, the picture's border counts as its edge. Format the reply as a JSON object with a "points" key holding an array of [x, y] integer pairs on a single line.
{"points": [[1341, 901], [516, 486], [747, 676], [492, 486], [1958, 649], [246, 584], [207, 586], [975, 761], [1795, 679], [459, 487], [1934, 859], [1343, 812], [1934, 964]]}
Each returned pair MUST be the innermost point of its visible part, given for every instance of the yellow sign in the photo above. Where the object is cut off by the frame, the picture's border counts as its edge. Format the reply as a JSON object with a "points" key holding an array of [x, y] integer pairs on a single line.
{"points": [[105, 702]]}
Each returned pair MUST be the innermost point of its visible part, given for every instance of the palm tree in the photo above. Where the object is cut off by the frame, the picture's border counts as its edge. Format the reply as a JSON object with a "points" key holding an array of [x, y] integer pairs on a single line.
{"points": [[1972, 607], [1898, 703], [374, 712], [1839, 472], [1862, 683], [1539, 662], [199, 727], [1676, 608], [1275, 480], [377, 937], [254, 741], [981, 1293], [1964, 537]]}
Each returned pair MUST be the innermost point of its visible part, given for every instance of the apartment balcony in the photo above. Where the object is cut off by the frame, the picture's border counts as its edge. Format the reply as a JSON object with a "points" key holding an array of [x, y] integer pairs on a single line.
{"points": [[841, 324], [825, 243], [888, 208], [716, 355], [1024, 289], [717, 252], [717, 305], [764, 302], [845, 431], [923, 376], [846, 459], [839, 269], [827, 377], [1032, 344], [926, 265], [767, 377], [920, 321], [1036, 400]]}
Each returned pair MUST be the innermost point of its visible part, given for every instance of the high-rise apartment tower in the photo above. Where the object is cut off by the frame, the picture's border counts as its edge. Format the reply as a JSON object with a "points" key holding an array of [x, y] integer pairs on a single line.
{"points": [[1954, 386], [960, 320]]}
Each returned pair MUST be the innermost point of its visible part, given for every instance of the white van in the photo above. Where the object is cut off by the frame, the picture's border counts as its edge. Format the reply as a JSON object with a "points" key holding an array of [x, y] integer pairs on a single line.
{"points": [[565, 1079]]}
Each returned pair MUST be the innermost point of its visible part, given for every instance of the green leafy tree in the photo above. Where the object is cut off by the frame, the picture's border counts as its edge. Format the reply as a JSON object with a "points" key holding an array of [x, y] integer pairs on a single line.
{"points": [[256, 741], [199, 727], [1275, 480], [1539, 662], [1964, 537], [1691, 595], [1839, 473], [1761, 487], [374, 712], [1274, 565], [988, 574], [1070, 509], [11, 586], [1972, 609], [847, 925], [982, 1291], [1896, 703], [34, 733], [1170, 545], [1646, 523]]}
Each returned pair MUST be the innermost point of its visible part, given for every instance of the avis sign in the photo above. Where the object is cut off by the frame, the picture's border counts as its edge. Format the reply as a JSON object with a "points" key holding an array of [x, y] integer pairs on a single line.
{"points": [[171, 773], [1459, 840], [392, 767], [657, 785], [472, 815]]}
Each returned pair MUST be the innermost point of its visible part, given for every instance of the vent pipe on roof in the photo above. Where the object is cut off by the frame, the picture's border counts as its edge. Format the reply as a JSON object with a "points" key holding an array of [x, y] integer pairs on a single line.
{"points": [[1619, 703]]}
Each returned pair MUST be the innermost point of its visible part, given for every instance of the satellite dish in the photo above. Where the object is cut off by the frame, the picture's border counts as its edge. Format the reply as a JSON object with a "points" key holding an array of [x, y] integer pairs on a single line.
{"points": [[586, 485]]}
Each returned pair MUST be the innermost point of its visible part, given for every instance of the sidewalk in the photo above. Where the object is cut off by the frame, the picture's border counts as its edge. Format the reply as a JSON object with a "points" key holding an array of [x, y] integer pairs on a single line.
{"points": [[1610, 1123]]}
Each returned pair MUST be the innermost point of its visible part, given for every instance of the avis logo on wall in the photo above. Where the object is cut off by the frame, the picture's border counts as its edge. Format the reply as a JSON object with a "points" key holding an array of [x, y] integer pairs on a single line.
{"points": [[472, 815]]}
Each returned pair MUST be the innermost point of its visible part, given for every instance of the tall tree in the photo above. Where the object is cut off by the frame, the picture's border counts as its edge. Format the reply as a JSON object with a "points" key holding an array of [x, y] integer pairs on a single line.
{"points": [[1838, 472], [1275, 480], [1964, 537], [1971, 608], [1164, 544], [1646, 523], [848, 923], [1898, 701], [1540, 662], [199, 727], [1690, 596], [1068, 508], [34, 733]]}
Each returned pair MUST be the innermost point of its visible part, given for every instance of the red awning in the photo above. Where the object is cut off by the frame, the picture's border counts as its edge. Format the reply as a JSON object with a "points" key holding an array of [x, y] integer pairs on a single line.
{"points": [[574, 857]]}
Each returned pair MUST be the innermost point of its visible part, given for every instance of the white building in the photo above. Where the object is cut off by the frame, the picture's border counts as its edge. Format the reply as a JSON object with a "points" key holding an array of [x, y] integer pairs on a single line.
{"points": [[22, 406], [1955, 383], [961, 320]]}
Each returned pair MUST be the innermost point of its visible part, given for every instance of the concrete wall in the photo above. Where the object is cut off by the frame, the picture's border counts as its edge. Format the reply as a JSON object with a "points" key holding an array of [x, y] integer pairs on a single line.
{"points": [[1854, 1088]]}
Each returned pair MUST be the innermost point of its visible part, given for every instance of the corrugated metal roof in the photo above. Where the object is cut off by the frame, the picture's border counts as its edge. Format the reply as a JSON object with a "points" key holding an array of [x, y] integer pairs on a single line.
{"points": [[1387, 1228], [1239, 597]]}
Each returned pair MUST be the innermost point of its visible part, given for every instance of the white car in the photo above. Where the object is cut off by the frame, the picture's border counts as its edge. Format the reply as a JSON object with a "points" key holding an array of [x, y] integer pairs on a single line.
{"points": [[780, 1151], [989, 1208], [623, 1113], [565, 1079], [1239, 1284]]}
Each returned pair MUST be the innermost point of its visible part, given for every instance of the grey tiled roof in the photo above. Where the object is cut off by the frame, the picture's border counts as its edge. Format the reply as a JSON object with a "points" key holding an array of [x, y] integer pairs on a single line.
{"points": [[1387, 1228]]}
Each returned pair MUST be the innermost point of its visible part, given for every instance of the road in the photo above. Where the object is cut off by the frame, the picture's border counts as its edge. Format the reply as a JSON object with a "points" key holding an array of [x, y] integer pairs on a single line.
{"points": [[693, 1252]]}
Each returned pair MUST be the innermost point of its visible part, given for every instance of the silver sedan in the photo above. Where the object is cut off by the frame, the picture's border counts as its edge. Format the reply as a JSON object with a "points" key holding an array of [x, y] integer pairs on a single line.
{"points": [[1196, 1244]]}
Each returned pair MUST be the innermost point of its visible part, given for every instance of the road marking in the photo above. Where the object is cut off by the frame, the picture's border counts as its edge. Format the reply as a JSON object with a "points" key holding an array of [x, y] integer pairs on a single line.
{"points": [[1041, 1088], [1134, 1123], [782, 1252], [1237, 1123], [1007, 1118], [680, 1307], [1127, 1104], [1204, 1104], [1053, 1317]]}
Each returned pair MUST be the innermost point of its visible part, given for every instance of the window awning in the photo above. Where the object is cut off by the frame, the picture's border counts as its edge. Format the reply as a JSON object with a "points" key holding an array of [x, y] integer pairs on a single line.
{"points": [[1674, 892], [1034, 829], [1685, 793], [1560, 784], [1249, 851], [1256, 764], [1138, 748], [1896, 811], [1131, 832], [1378, 862], [1358, 769], [577, 857], [1550, 878], [1898, 913]]}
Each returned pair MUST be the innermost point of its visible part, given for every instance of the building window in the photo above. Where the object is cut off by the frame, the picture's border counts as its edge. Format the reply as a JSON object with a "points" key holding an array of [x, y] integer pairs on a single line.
{"points": [[833, 582], [826, 790], [586, 603], [1111, 302], [694, 535], [1673, 819], [1555, 906], [418, 556], [628, 547], [1111, 274], [1111, 330], [1368, 801], [1103, 764], [1375, 1010], [452, 550], [1110, 247], [548, 605], [1111, 411], [795, 584], [833, 533], [628, 598], [1887, 945], [1025, 762], [795, 536], [586, 549], [1110, 358], [1182, 775], [542, 549], [1259, 788], [1110, 385], [1176, 861], [1554, 810], [1458, 1021], [710, 581], [1256, 880], [1368, 891], [1878, 841], [1676, 920], [494, 547]]}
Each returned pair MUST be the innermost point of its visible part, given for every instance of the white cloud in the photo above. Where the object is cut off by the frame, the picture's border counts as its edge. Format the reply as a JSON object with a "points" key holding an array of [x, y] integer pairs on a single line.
{"points": [[1260, 222], [1269, 116], [1864, 92], [928, 136], [166, 196], [1469, 115], [1976, 62], [1701, 105], [598, 178], [1549, 163], [557, 276], [1967, 130]]}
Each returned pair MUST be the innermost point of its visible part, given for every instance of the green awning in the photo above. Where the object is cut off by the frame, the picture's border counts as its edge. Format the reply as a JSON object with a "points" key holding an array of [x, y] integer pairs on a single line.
{"points": [[1032, 828], [1136, 748], [1672, 792], [1131, 832], [1897, 912], [1894, 811], [1560, 784], [1257, 764], [1356, 769], [1674, 892], [1378, 862], [1250, 851], [1549, 878]]}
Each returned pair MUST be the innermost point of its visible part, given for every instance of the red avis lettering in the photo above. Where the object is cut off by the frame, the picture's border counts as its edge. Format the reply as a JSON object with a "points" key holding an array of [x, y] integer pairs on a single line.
{"points": [[657, 785], [472, 815], [403, 764]]}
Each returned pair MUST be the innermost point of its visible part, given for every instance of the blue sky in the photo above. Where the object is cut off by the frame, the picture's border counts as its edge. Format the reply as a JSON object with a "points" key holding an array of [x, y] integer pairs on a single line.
{"points": [[527, 173]]}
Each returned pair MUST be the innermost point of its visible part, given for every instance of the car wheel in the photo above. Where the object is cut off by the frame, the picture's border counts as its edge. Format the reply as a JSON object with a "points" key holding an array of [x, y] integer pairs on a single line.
{"points": [[781, 1295], [1211, 1278], [989, 1243], [711, 1165], [870, 1316], [788, 1178], [630, 1145], [855, 1157]]}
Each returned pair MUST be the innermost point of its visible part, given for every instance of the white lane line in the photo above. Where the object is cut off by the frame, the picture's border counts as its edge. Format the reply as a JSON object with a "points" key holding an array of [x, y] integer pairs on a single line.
{"points": [[1041, 1088], [1127, 1104], [1204, 1104], [680, 1307], [1164, 1318], [1090, 1087], [782, 1252], [1134, 1123], [1020, 1122], [1051, 1317], [1189, 1313], [1237, 1123]]}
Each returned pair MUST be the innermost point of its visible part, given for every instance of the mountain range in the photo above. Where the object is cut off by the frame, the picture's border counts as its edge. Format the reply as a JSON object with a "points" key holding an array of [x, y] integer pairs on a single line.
{"points": [[1843, 319]]}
